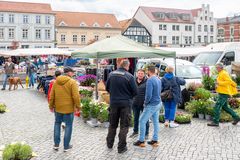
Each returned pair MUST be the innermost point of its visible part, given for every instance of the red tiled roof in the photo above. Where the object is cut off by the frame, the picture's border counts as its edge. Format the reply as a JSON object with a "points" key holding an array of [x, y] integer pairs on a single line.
{"points": [[74, 19], [125, 23], [25, 7], [150, 10]]}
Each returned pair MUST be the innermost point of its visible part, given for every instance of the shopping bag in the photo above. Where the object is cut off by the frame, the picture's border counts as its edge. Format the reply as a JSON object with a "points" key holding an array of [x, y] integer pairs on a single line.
{"points": [[27, 81]]}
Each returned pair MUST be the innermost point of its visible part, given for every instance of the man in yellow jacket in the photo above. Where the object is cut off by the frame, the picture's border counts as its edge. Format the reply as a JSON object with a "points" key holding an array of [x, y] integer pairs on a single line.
{"points": [[64, 100], [225, 87]]}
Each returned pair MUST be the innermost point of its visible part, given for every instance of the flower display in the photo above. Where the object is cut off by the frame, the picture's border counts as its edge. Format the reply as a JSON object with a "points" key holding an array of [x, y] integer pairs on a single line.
{"points": [[86, 80]]}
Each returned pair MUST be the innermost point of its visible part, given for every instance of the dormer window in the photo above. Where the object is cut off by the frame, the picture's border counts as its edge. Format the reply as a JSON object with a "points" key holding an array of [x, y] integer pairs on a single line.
{"points": [[159, 15], [96, 24], [107, 25], [62, 24], [186, 17], [82, 24], [173, 15]]}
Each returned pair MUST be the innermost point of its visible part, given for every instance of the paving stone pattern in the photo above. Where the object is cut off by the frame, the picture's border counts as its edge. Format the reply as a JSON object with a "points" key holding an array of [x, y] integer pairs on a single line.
{"points": [[29, 120]]}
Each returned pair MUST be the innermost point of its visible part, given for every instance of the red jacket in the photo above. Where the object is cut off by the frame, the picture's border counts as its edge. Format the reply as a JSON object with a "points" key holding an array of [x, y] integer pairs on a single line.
{"points": [[50, 88]]}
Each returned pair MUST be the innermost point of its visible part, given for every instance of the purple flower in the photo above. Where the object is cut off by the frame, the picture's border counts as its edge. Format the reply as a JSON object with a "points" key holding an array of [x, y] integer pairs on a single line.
{"points": [[87, 80]]}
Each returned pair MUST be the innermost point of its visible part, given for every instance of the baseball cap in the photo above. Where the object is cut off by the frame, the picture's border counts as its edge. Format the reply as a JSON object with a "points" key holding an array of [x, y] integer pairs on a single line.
{"points": [[68, 69]]}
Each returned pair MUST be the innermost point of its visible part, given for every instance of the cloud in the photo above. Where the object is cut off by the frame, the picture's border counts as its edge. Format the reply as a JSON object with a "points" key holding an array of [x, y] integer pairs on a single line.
{"points": [[126, 8]]}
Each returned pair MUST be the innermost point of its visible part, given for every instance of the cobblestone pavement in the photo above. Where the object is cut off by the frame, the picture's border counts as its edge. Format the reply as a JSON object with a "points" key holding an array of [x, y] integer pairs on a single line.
{"points": [[29, 120]]}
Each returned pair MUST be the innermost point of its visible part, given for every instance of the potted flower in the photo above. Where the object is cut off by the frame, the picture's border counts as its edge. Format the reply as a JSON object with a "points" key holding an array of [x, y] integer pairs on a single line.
{"points": [[17, 151], [202, 94], [209, 112], [183, 118], [85, 104], [87, 80], [103, 116], [3, 108], [191, 107], [86, 93], [234, 103], [208, 82], [94, 112]]}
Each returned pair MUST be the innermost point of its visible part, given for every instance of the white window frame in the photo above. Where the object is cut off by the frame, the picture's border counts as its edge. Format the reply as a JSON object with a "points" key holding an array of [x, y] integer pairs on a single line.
{"points": [[205, 28], [63, 38], [1, 18], [199, 28], [25, 34], [47, 20], [211, 39], [96, 37], [47, 34], [38, 34], [75, 38], [83, 39], [1, 33], [25, 19], [38, 19], [199, 38], [162, 40], [11, 18], [11, 33]]}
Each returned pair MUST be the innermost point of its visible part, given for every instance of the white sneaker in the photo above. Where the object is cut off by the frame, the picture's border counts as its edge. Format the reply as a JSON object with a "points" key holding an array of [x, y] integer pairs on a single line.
{"points": [[173, 125]]}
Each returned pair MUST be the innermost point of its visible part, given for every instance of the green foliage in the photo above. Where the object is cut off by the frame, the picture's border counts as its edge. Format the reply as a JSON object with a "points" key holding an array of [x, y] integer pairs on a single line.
{"points": [[234, 102], [237, 80], [161, 118], [85, 103], [3, 108], [183, 118], [86, 93], [210, 110], [198, 106], [94, 110], [104, 114], [208, 82], [17, 151], [202, 94]]}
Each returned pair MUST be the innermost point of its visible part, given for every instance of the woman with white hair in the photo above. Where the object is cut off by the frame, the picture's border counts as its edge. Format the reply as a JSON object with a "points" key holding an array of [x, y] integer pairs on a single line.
{"points": [[172, 91]]}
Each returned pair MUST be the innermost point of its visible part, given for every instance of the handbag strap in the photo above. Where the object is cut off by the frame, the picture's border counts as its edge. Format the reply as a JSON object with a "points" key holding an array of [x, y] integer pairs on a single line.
{"points": [[170, 85]]}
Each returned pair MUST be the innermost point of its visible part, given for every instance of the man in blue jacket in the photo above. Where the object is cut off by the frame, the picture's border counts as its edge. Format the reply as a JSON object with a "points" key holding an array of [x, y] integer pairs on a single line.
{"points": [[152, 105], [122, 88]]}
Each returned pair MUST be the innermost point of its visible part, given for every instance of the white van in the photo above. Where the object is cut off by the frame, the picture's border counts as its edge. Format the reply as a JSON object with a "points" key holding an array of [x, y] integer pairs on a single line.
{"points": [[225, 53]]}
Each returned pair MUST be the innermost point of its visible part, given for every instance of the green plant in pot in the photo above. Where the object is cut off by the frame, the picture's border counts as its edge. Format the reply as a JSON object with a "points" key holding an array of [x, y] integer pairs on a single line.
{"points": [[85, 103], [3, 108], [86, 93], [208, 82], [183, 118], [209, 112], [191, 107], [104, 114], [161, 118], [94, 111], [202, 94], [17, 151]]}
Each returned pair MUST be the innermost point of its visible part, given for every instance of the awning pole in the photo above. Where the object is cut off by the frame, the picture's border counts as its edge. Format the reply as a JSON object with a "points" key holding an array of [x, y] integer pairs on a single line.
{"points": [[175, 63], [96, 81]]}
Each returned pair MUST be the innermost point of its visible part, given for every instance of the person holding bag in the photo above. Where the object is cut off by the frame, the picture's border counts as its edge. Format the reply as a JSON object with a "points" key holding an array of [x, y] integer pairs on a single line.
{"points": [[171, 95]]}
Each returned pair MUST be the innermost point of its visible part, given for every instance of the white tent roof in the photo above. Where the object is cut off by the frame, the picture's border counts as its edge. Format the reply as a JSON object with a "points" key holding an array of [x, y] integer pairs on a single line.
{"points": [[35, 52], [185, 52]]}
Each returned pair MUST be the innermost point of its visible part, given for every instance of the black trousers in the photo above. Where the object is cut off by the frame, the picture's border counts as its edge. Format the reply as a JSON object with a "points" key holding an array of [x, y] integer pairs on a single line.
{"points": [[124, 115]]}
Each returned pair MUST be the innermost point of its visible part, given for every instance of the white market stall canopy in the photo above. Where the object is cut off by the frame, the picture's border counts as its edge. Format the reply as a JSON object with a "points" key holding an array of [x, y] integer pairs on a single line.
{"points": [[120, 47], [35, 52], [185, 52]]}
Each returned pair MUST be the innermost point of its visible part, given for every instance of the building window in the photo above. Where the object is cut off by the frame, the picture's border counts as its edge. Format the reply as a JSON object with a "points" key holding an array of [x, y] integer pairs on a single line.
{"points": [[221, 31], [1, 18], [47, 20], [47, 34], [211, 39], [47, 47], [175, 39], [210, 18], [11, 18], [38, 33], [25, 33], [190, 40], [232, 40], [186, 28], [206, 18], [162, 39], [1, 33], [175, 27], [63, 38], [186, 39], [186, 17], [83, 39], [96, 37], [211, 29], [25, 19], [199, 39], [159, 15], [199, 28], [190, 28], [38, 46], [205, 39], [205, 28], [163, 27], [74, 38], [38, 19], [201, 18], [11, 33], [232, 30], [107, 36], [205, 12]]}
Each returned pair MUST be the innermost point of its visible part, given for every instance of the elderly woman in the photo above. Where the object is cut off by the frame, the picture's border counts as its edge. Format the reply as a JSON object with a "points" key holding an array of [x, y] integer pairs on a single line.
{"points": [[172, 83]]}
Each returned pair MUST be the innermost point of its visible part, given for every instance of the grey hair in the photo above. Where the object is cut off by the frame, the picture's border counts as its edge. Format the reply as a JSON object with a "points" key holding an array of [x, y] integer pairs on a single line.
{"points": [[125, 63], [220, 65]]}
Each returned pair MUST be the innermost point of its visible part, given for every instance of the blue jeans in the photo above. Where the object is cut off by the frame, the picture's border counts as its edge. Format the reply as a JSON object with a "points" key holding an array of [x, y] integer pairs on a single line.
{"points": [[149, 111], [136, 112], [68, 120], [5, 78], [170, 110], [31, 80]]}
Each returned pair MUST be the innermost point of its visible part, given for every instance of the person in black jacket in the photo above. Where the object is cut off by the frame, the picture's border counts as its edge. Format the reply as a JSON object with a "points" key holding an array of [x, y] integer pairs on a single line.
{"points": [[138, 102], [122, 88], [169, 81]]}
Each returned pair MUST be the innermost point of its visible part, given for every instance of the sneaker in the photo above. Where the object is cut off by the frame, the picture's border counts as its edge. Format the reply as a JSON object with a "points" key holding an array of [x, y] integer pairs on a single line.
{"points": [[166, 124], [139, 144], [235, 122], [110, 146], [134, 134], [173, 125], [120, 151], [3, 89], [67, 149], [212, 124], [153, 143], [56, 147]]}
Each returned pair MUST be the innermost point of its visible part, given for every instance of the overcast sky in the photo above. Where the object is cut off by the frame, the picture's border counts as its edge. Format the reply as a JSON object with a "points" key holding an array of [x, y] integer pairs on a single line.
{"points": [[124, 9]]}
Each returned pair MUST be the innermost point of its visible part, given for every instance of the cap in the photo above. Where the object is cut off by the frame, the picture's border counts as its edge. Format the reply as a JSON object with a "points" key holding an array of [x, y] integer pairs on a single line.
{"points": [[68, 69]]}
